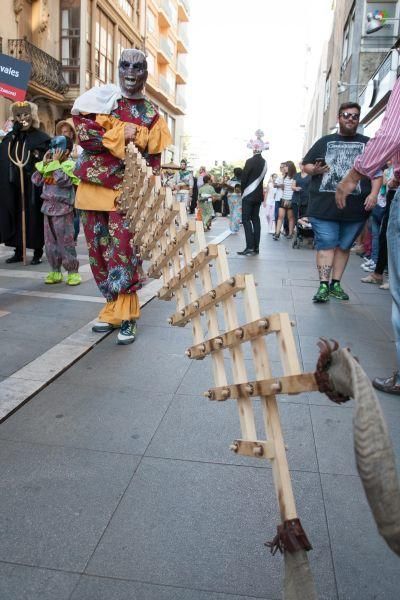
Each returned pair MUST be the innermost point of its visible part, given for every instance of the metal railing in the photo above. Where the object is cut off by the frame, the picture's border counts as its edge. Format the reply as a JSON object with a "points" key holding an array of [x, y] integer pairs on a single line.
{"points": [[46, 70]]}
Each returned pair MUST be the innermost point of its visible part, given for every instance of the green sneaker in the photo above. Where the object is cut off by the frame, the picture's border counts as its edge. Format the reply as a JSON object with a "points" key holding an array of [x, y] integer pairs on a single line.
{"points": [[336, 291], [74, 279], [54, 277], [322, 294]]}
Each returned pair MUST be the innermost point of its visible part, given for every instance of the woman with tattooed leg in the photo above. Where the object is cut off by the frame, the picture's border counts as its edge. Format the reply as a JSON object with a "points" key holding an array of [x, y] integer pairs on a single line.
{"points": [[107, 118]]}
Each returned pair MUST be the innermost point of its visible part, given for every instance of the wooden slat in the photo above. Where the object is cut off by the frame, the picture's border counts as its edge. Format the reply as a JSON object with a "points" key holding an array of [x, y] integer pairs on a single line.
{"points": [[287, 384], [172, 247], [195, 264], [232, 338], [163, 224], [255, 449], [217, 358], [211, 298], [272, 423], [144, 204], [141, 227], [245, 406]]}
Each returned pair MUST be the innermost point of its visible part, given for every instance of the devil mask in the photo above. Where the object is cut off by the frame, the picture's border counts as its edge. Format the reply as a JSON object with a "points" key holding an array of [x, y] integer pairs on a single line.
{"points": [[24, 113], [132, 73]]}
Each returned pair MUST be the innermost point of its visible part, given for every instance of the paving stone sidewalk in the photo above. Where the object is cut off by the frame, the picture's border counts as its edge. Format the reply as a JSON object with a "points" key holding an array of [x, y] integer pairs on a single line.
{"points": [[117, 482]]}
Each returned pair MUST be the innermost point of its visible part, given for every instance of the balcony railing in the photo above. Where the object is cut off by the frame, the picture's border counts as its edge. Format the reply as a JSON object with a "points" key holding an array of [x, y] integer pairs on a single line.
{"points": [[166, 48], [182, 69], [183, 34], [180, 101], [186, 6], [46, 70], [164, 85]]}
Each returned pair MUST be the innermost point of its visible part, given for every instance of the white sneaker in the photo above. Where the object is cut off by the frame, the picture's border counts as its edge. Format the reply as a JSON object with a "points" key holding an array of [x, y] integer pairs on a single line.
{"points": [[384, 286], [369, 268], [366, 263], [127, 333]]}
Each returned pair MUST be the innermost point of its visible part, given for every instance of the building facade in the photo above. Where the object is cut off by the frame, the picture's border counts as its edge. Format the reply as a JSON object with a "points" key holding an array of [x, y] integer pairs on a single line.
{"points": [[78, 43], [30, 31], [352, 57]]}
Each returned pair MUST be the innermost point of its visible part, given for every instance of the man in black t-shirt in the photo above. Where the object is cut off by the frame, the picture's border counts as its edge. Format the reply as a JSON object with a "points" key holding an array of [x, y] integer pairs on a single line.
{"points": [[335, 230]]}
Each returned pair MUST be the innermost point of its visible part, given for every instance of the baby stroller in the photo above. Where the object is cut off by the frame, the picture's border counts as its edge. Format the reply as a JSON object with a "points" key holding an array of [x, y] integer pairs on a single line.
{"points": [[304, 230]]}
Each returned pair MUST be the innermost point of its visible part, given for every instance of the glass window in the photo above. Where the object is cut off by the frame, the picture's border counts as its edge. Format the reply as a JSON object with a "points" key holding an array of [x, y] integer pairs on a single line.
{"points": [[104, 48], [127, 6], [151, 64], [70, 40], [151, 22], [327, 98], [348, 39]]}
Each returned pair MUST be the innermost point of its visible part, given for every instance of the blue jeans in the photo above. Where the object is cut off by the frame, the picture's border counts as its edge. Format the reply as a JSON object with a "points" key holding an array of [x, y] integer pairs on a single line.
{"points": [[376, 220], [335, 234], [393, 240]]}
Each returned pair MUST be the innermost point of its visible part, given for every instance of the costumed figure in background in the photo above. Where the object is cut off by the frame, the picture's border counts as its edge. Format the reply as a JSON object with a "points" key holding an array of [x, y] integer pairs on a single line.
{"points": [[107, 118], [184, 184], [24, 145], [252, 179]]}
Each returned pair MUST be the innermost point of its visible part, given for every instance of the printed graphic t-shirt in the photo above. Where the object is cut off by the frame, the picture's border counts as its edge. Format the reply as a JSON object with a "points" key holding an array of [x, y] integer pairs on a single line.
{"points": [[339, 152]]}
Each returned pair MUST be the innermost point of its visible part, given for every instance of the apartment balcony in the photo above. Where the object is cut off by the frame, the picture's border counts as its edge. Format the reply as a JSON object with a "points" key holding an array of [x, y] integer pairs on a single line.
{"points": [[46, 76], [165, 86], [183, 38], [180, 101], [165, 53], [162, 92], [183, 10], [164, 13], [181, 72]]}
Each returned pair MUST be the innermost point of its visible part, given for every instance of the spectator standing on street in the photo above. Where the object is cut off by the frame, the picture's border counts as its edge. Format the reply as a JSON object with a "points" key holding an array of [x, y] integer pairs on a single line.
{"points": [[252, 179], [184, 184], [269, 203], [335, 229], [67, 129], [235, 209], [56, 174], [207, 194], [384, 146], [285, 209], [278, 185], [300, 187]]}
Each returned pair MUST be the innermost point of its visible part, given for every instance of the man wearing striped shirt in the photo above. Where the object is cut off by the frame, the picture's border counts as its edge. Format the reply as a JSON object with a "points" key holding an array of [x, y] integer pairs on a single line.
{"points": [[381, 148]]}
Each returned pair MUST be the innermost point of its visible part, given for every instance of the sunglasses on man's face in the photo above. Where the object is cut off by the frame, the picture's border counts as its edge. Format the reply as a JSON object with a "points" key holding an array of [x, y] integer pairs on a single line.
{"points": [[352, 116]]}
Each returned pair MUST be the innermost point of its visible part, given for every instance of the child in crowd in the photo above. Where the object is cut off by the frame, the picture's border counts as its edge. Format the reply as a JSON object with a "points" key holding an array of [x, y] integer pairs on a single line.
{"points": [[207, 194], [55, 173], [235, 208]]}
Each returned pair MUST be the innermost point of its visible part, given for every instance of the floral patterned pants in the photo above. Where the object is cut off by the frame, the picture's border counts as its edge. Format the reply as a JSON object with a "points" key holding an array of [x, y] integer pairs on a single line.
{"points": [[115, 265], [59, 242]]}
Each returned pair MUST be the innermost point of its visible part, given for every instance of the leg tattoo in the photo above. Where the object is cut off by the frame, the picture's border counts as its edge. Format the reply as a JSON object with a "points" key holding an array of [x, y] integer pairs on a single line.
{"points": [[324, 272]]}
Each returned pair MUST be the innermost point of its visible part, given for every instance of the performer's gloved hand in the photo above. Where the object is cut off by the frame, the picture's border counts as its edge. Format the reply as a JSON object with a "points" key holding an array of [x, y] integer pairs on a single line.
{"points": [[17, 127]]}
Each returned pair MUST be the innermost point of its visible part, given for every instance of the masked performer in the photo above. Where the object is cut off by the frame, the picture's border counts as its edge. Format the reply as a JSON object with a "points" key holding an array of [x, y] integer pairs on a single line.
{"points": [[107, 118], [25, 137]]}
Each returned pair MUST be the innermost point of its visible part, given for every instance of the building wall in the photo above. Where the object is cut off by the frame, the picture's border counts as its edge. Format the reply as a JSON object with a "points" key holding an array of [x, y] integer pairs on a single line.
{"points": [[166, 42], [34, 21], [349, 64]]}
